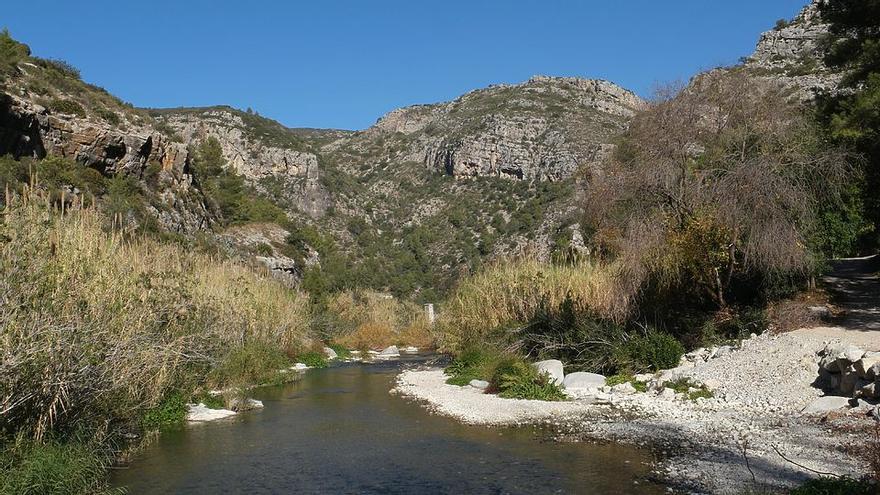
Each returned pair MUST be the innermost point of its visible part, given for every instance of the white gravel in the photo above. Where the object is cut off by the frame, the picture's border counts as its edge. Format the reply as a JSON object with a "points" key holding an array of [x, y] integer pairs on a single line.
{"points": [[756, 411]]}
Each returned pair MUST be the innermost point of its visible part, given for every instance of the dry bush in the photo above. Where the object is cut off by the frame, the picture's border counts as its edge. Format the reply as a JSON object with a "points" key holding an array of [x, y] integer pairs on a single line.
{"points": [[367, 319], [719, 180], [512, 291], [96, 327]]}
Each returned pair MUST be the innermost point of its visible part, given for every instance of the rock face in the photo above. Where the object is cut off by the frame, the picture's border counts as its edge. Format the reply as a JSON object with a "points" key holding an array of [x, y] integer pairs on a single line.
{"points": [[543, 129], [30, 130], [791, 53], [256, 148]]}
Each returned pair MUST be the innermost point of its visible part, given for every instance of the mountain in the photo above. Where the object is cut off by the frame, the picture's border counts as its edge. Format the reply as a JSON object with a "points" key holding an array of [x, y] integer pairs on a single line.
{"points": [[427, 193]]}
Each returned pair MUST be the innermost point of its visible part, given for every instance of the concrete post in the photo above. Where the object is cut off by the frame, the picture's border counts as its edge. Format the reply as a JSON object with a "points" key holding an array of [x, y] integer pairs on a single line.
{"points": [[429, 313]]}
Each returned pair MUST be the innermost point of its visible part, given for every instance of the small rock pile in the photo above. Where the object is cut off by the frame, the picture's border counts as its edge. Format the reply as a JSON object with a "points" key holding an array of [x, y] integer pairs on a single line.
{"points": [[850, 371]]}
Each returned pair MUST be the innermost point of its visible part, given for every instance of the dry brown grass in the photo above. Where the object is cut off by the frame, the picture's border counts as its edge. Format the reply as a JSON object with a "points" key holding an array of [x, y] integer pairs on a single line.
{"points": [[95, 326], [372, 320], [511, 291]]}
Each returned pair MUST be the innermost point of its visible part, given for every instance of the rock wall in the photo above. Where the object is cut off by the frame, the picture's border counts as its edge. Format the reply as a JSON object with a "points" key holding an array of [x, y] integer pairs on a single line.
{"points": [[30, 130]]}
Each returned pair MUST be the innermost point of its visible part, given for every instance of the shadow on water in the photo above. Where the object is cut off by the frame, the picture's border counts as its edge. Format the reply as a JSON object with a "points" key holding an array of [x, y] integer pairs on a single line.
{"points": [[339, 431]]}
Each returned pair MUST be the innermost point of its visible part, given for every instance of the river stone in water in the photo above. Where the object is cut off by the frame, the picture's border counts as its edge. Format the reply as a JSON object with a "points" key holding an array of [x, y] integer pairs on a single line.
{"points": [[390, 351], [583, 381], [826, 404], [552, 367], [200, 412]]}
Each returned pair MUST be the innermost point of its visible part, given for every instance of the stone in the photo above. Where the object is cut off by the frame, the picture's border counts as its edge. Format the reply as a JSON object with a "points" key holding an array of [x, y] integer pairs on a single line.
{"points": [[826, 404], [865, 366], [829, 364], [582, 380], [711, 384], [852, 354], [667, 393], [625, 388], [723, 351], [247, 404], [644, 377], [479, 384], [299, 367], [828, 380], [201, 413], [389, 352], [553, 368], [410, 349], [848, 379], [330, 353], [868, 390]]}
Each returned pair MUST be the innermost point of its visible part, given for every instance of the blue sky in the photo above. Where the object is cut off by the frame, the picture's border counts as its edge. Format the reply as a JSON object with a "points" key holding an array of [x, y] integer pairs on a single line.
{"points": [[344, 63]]}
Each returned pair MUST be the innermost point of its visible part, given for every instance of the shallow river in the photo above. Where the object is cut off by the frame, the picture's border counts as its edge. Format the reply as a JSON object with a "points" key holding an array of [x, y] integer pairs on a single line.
{"points": [[338, 430]]}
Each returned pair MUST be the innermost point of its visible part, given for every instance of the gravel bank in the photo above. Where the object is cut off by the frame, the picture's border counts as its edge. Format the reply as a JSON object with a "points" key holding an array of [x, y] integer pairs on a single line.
{"points": [[754, 416]]}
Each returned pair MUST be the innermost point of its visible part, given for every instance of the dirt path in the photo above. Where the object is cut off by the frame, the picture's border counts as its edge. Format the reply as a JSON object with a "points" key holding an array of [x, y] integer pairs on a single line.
{"points": [[854, 285]]}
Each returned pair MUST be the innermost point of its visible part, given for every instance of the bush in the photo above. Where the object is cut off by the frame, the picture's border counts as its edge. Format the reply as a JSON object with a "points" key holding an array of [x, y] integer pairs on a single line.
{"points": [[341, 351], [653, 350], [254, 363], [472, 364], [11, 53], [170, 411], [53, 468], [835, 486], [67, 106], [514, 378], [312, 359]]}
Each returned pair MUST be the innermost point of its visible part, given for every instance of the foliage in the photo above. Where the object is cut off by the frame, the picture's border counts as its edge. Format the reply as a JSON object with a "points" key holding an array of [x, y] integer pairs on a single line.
{"points": [[170, 411], [11, 53], [67, 106], [366, 319], [649, 351], [691, 390], [312, 359], [835, 486], [72, 467], [254, 363], [626, 378], [726, 195], [477, 363], [510, 292], [515, 378]]}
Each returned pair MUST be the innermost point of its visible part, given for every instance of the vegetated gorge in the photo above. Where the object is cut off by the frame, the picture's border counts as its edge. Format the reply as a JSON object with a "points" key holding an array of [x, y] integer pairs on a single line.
{"points": [[554, 286]]}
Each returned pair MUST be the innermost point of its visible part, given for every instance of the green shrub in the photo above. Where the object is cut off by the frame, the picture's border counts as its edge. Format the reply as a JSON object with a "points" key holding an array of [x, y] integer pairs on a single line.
{"points": [[626, 378], [684, 386], [835, 486], [211, 401], [11, 52], [341, 351], [312, 359], [254, 363], [653, 350], [514, 378], [109, 115], [169, 412], [67, 106], [53, 468], [472, 364]]}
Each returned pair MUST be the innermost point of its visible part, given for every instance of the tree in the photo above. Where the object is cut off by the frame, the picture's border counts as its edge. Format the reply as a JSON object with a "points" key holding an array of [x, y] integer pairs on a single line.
{"points": [[852, 116], [715, 183]]}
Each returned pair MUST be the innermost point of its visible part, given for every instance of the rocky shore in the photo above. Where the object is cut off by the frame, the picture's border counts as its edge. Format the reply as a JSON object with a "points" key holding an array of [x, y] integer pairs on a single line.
{"points": [[757, 430]]}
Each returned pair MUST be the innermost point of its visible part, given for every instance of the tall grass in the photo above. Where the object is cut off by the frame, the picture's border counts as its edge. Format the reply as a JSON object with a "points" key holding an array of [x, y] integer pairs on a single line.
{"points": [[367, 319], [512, 291], [97, 328]]}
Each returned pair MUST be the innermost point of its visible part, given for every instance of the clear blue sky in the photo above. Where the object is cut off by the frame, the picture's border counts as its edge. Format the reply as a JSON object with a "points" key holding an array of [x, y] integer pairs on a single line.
{"points": [[343, 63]]}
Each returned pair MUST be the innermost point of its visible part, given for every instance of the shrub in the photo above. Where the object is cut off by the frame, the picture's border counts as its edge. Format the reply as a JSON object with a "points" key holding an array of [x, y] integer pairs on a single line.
{"points": [[472, 364], [254, 363], [109, 115], [53, 468], [341, 351], [685, 386], [67, 106], [653, 350], [312, 359], [835, 486], [514, 378], [170, 411], [11, 53]]}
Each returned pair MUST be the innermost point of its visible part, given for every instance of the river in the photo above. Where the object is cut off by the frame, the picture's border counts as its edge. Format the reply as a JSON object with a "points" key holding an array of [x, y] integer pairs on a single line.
{"points": [[338, 430]]}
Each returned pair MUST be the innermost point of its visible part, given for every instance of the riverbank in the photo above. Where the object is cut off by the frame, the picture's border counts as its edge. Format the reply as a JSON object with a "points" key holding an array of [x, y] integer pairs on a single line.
{"points": [[751, 434]]}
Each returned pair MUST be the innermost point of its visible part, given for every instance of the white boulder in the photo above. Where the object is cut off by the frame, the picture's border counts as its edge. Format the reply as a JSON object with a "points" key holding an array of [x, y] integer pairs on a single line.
{"points": [[200, 413], [389, 352], [625, 388], [865, 366], [479, 384], [552, 368], [299, 367], [583, 381], [245, 404], [826, 404], [410, 349], [330, 353]]}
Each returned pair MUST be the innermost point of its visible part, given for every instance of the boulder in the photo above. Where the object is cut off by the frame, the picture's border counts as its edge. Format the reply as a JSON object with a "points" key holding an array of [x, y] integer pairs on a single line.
{"points": [[667, 393], [868, 390], [711, 384], [389, 352], [330, 353], [625, 388], [828, 380], [852, 354], [723, 351], [829, 364], [299, 367], [245, 404], [553, 368], [200, 413], [410, 349], [848, 379], [866, 365], [479, 384], [826, 404], [583, 381]]}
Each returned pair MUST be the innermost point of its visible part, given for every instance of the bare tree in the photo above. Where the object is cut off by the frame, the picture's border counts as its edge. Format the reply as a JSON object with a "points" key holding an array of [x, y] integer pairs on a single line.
{"points": [[715, 180]]}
